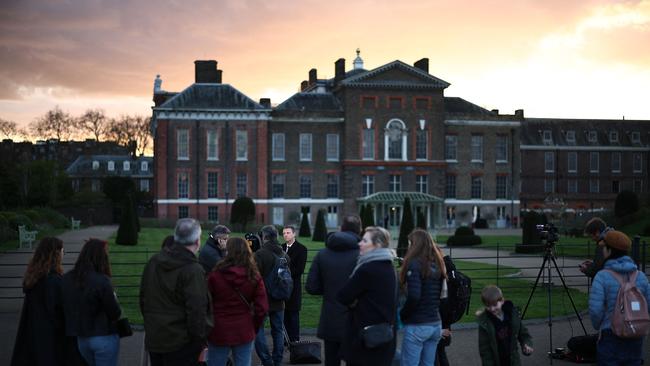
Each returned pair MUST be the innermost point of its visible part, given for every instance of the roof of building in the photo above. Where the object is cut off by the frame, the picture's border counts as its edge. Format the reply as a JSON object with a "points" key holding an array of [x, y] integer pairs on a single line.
{"points": [[459, 106], [83, 166], [388, 197], [211, 96], [532, 132], [311, 102], [368, 78]]}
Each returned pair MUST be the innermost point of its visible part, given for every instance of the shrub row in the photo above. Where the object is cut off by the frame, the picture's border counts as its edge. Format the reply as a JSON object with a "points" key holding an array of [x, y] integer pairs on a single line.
{"points": [[39, 218]]}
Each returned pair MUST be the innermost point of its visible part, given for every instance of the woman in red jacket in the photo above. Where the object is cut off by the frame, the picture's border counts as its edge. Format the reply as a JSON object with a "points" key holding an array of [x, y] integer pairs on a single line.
{"points": [[239, 305]]}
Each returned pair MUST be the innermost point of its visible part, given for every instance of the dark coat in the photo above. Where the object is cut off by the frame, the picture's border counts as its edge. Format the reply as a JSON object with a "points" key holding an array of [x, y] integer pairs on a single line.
{"points": [[174, 300], [298, 255], [92, 309], [233, 322], [265, 258], [41, 332], [330, 270], [487, 344], [370, 294], [210, 254], [422, 295]]}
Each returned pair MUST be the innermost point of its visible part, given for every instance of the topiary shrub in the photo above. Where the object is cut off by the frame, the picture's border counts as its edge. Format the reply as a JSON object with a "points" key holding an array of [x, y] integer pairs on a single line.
{"points": [[305, 229], [320, 230], [127, 233], [242, 213], [646, 230], [464, 236], [481, 223], [626, 203], [464, 231], [405, 228]]}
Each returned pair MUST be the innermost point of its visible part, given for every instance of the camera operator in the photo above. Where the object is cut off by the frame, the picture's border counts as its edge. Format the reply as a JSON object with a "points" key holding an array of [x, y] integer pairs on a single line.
{"points": [[596, 229]]}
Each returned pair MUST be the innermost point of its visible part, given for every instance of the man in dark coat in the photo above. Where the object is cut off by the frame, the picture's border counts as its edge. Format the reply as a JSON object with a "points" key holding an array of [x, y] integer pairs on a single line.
{"points": [[214, 248], [298, 255], [596, 229], [330, 270], [265, 259]]}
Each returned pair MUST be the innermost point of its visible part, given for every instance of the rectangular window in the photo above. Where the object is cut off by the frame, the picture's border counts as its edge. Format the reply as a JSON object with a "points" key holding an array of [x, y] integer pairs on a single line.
{"points": [[332, 147], [305, 147], [636, 137], [421, 103], [616, 162], [277, 146], [369, 102], [332, 218], [502, 186], [110, 166], [477, 188], [594, 186], [367, 185], [637, 186], [183, 212], [368, 144], [477, 148], [126, 166], [95, 185], [451, 141], [422, 183], [144, 166], [212, 184], [277, 185], [616, 186], [394, 183], [593, 136], [278, 215], [549, 185], [144, 185], [572, 186], [594, 162], [571, 137], [548, 137], [242, 144], [572, 162], [183, 144], [213, 214], [549, 162], [450, 186], [395, 102], [242, 185], [637, 163], [332, 186], [613, 136], [213, 145], [501, 149], [305, 186], [183, 185], [421, 145]]}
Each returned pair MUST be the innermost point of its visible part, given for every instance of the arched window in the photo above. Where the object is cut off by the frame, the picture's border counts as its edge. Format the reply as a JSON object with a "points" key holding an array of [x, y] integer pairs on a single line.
{"points": [[395, 140]]}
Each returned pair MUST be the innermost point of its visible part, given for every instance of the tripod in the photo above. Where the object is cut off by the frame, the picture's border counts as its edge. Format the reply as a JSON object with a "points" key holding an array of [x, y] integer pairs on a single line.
{"points": [[549, 258]]}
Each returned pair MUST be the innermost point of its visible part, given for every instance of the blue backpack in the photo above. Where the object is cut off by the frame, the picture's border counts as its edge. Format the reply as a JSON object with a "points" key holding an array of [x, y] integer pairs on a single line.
{"points": [[278, 282]]}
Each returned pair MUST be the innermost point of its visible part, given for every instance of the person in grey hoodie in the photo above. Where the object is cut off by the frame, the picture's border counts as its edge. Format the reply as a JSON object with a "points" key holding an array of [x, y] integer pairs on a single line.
{"points": [[330, 270]]}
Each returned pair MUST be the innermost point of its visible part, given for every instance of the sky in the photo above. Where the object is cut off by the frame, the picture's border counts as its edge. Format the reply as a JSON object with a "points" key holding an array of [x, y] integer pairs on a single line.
{"points": [[552, 58]]}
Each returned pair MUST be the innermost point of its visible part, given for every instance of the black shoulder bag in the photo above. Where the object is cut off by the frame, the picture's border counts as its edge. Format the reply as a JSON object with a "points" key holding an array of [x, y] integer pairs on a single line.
{"points": [[376, 335]]}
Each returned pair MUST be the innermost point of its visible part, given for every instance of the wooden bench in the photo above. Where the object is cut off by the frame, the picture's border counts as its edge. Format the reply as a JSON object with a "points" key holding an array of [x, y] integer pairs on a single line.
{"points": [[75, 224], [26, 237]]}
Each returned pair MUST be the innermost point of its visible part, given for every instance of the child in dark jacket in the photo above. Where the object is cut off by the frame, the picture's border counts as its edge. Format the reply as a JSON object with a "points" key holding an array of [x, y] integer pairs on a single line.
{"points": [[500, 330]]}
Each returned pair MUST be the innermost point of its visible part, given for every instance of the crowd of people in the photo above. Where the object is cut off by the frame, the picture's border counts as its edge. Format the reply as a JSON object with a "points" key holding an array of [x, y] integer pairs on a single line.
{"points": [[209, 303]]}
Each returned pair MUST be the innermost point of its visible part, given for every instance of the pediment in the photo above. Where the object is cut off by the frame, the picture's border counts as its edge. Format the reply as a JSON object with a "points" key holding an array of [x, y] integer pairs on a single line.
{"points": [[396, 73]]}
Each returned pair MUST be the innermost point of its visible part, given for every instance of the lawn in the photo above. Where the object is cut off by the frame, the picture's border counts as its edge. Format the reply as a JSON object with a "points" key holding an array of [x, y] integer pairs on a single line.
{"points": [[128, 262]]}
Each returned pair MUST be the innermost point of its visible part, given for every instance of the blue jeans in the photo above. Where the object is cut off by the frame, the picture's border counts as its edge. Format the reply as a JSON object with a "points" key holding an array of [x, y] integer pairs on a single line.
{"points": [[277, 320], [419, 343], [241, 354], [100, 350], [614, 351]]}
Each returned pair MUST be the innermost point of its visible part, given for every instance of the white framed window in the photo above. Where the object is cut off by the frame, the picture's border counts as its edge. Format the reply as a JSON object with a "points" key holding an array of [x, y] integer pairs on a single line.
{"points": [[451, 144], [332, 147], [450, 186], [477, 148], [332, 186], [144, 185], [278, 215], [277, 185], [368, 144], [421, 144], [183, 212], [242, 184], [395, 140], [144, 166], [613, 136], [367, 185], [277, 146], [332, 218], [305, 147], [549, 162], [571, 137], [501, 149], [637, 163], [95, 165], [616, 162], [549, 185], [394, 183], [572, 162], [241, 145], [126, 166], [594, 162], [422, 183], [477, 187], [593, 136], [183, 144], [305, 186], [594, 186], [636, 137], [110, 166], [547, 137], [213, 213], [572, 186], [213, 184], [502, 187], [213, 145], [183, 185]]}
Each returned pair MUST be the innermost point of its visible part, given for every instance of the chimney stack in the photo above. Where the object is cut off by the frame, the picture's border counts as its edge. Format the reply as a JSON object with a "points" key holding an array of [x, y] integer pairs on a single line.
{"points": [[265, 102], [519, 113], [495, 111], [422, 64], [339, 70], [313, 76], [304, 85], [205, 71]]}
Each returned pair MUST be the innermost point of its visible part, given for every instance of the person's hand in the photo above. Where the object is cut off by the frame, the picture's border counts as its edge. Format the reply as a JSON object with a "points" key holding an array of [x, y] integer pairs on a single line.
{"points": [[584, 266], [527, 350], [446, 333]]}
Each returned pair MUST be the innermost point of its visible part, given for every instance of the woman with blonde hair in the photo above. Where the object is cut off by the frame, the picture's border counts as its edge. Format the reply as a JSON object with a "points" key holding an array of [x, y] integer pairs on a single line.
{"points": [[421, 279], [41, 332]]}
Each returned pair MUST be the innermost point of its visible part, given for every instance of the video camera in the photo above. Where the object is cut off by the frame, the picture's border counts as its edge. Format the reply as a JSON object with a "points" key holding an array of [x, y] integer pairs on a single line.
{"points": [[548, 233], [254, 241]]}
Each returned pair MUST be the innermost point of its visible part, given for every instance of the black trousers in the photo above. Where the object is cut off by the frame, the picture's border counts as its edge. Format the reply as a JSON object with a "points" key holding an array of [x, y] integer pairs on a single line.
{"points": [[292, 324], [332, 353], [188, 355]]}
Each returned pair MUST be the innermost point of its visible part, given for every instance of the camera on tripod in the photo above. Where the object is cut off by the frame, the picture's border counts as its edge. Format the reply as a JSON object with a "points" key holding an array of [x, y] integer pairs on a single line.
{"points": [[548, 233]]}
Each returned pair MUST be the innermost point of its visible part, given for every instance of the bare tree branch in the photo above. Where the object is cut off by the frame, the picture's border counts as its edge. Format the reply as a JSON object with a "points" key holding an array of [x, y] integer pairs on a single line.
{"points": [[94, 121], [8, 128], [54, 124], [142, 133]]}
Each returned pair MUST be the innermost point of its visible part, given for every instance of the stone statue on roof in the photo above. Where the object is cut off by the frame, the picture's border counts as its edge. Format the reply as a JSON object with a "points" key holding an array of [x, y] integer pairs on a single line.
{"points": [[157, 84]]}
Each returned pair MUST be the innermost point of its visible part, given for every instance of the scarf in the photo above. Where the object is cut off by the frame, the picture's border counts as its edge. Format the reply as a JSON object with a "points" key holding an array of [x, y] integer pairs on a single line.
{"points": [[379, 254]]}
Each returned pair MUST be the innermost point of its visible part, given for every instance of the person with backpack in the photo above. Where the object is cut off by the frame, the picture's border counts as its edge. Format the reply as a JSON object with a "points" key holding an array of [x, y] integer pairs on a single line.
{"points": [[622, 287], [273, 265]]}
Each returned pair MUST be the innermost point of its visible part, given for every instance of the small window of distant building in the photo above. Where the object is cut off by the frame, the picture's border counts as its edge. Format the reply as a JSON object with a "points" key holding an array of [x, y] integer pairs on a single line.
{"points": [[613, 136], [95, 165], [547, 137], [369, 102], [144, 166], [637, 163], [144, 185], [421, 103], [636, 137], [571, 137], [126, 166], [183, 212], [111, 166], [395, 102], [593, 137]]}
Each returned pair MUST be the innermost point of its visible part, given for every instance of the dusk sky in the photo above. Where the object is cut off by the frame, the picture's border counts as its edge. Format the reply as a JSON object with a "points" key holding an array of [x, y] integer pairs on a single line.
{"points": [[553, 58]]}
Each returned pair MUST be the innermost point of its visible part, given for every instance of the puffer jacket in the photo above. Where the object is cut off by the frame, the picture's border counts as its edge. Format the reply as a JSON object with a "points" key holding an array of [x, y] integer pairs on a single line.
{"points": [[604, 291], [487, 343], [422, 295]]}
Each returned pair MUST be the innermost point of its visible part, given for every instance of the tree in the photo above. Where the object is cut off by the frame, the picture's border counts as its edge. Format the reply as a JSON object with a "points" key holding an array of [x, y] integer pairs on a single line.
{"points": [[8, 128], [421, 220], [94, 121], [127, 233], [405, 228], [305, 230], [122, 129], [320, 230], [242, 212], [626, 203], [142, 135], [54, 123]]}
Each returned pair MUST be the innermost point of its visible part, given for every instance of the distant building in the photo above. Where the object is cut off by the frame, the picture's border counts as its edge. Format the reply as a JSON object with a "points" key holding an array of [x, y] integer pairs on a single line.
{"points": [[63, 152], [88, 172]]}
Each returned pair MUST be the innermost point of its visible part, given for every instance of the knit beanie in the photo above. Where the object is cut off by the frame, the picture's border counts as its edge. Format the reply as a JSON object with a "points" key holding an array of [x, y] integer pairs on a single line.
{"points": [[618, 240]]}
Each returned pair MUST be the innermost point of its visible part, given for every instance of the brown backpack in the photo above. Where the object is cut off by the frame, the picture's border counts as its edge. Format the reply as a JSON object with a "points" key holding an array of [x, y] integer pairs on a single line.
{"points": [[630, 318]]}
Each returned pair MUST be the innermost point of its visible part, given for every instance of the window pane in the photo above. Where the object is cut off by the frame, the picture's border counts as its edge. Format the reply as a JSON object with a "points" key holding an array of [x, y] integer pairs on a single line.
{"points": [[332, 186], [549, 185], [213, 145], [501, 148], [305, 146], [213, 214], [305, 186], [549, 161], [144, 185], [367, 185], [450, 187], [394, 133], [421, 144], [332, 147], [593, 162], [277, 188], [594, 186], [616, 161], [182, 144], [502, 186], [183, 185], [477, 187], [368, 143], [183, 212], [242, 183], [572, 186], [572, 162], [395, 183], [212, 184], [450, 147], [477, 148], [422, 183], [637, 163], [278, 146], [278, 215], [242, 145]]}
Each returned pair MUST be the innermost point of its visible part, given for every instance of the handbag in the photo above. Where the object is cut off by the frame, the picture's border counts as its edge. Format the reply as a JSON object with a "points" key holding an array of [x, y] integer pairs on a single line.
{"points": [[124, 328], [303, 352], [376, 335]]}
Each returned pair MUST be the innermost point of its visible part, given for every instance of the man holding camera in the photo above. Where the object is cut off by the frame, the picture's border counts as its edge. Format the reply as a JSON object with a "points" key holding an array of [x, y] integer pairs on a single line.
{"points": [[596, 230], [214, 248]]}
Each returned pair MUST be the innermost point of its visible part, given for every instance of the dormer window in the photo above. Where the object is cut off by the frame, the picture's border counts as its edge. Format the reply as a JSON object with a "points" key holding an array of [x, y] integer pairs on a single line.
{"points": [[613, 136], [571, 137], [111, 166], [144, 166], [593, 138], [636, 137], [126, 166], [547, 137], [95, 165]]}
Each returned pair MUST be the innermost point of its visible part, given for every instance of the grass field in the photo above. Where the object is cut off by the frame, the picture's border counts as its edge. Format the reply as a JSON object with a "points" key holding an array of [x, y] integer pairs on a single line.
{"points": [[128, 262]]}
